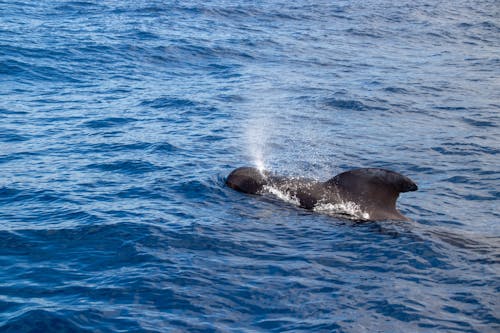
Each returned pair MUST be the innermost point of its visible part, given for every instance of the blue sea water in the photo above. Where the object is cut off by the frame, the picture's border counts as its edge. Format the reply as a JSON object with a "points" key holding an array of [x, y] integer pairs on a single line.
{"points": [[119, 121]]}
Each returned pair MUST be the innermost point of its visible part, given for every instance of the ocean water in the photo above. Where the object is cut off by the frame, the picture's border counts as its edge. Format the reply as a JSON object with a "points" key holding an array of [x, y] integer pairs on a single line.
{"points": [[119, 121]]}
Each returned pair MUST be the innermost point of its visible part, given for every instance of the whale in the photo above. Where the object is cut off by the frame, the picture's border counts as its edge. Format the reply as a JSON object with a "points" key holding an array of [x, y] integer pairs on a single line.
{"points": [[361, 194]]}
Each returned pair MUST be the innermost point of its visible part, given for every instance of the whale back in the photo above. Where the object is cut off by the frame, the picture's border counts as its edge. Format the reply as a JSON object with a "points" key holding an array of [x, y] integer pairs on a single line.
{"points": [[375, 190]]}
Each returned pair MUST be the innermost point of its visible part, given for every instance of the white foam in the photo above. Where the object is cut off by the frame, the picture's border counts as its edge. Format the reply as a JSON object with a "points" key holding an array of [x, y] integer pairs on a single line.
{"points": [[285, 196], [347, 209], [344, 208]]}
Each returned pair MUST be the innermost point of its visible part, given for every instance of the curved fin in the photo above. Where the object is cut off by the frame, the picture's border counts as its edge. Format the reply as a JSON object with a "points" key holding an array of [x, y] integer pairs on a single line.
{"points": [[380, 177], [376, 190]]}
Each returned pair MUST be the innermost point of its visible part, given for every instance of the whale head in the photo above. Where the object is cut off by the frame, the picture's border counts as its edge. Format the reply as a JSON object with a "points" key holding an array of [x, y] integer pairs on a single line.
{"points": [[247, 180]]}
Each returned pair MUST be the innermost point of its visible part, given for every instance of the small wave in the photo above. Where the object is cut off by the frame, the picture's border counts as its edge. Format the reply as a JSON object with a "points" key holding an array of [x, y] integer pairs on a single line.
{"points": [[42, 321], [169, 102], [488, 25], [145, 35], [253, 12], [81, 5], [29, 72], [465, 149], [6, 112], [465, 25], [164, 147], [139, 192], [108, 122], [125, 166], [364, 33], [396, 90], [29, 53], [479, 123], [231, 98], [114, 147], [187, 55], [12, 136], [450, 108], [8, 194], [346, 104]]}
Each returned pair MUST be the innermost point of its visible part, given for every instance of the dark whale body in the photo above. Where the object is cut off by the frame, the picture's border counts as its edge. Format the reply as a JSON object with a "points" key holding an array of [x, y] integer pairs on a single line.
{"points": [[373, 191]]}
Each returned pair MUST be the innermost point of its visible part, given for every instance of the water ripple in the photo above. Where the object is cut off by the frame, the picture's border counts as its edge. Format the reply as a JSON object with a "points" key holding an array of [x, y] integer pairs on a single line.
{"points": [[119, 122]]}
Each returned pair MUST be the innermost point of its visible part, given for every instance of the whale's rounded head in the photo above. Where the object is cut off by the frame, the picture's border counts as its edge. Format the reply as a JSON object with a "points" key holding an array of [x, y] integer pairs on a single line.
{"points": [[247, 180]]}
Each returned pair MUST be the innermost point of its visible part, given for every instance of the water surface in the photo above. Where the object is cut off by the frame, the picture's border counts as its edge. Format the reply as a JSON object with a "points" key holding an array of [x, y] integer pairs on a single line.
{"points": [[120, 119]]}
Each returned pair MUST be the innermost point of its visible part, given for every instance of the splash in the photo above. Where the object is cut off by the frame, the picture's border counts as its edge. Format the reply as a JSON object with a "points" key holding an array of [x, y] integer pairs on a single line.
{"points": [[257, 135], [259, 162], [285, 196], [348, 208]]}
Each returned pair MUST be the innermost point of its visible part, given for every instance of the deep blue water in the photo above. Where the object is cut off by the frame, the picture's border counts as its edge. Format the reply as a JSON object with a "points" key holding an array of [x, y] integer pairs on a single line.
{"points": [[120, 119]]}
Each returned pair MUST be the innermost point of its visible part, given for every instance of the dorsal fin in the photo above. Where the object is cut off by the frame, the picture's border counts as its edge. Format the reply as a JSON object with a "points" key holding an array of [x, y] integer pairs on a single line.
{"points": [[376, 190], [379, 177]]}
